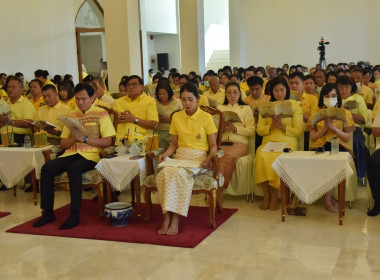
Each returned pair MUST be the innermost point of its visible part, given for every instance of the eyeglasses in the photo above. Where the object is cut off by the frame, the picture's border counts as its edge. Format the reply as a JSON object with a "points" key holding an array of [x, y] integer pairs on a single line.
{"points": [[345, 87]]}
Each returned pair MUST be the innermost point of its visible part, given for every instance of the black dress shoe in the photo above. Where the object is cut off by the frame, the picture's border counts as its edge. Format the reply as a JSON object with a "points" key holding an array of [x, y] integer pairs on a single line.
{"points": [[46, 218]]}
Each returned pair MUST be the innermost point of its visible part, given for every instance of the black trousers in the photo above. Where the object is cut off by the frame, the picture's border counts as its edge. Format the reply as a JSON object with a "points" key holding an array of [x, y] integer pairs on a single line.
{"points": [[75, 166], [373, 174]]}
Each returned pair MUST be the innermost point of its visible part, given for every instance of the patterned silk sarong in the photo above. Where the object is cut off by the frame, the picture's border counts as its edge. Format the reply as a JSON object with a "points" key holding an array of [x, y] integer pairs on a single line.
{"points": [[229, 159], [175, 184]]}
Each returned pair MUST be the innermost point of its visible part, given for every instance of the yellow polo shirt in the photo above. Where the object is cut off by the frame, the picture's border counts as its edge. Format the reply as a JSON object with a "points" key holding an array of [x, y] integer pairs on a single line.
{"points": [[361, 108], [243, 130], [48, 82], [3, 93], [70, 103], [98, 124], [193, 130], [244, 86], [219, 96], [21, 110], [367, 94], [203, 88], [50, 114], [203, 101], [309, 104], [143, 107], [39, 103], [252, 102]]}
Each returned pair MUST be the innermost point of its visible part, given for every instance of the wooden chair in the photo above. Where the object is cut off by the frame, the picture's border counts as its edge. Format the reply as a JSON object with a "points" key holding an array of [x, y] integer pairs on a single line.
{"points": [[209, 183]]}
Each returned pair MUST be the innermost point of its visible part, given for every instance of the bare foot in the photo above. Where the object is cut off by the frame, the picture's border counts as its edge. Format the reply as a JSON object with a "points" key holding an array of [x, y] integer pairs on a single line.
{"points": [[173, 228], [165, 224], [330, 207], [265, 204]]}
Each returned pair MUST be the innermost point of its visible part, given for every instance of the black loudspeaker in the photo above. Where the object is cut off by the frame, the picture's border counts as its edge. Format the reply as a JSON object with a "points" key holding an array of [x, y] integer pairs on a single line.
{"points": [[163, 61]]}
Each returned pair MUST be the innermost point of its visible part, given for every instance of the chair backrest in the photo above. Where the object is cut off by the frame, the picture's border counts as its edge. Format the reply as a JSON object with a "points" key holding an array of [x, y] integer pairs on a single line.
{"points": [[219, 122]]}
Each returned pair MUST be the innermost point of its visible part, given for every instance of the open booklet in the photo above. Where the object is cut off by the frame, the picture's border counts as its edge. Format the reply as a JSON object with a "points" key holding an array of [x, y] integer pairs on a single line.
{"points": [[184, 163], [336, 113], [69, 122], [43, 125], [282, 108], [230, 116], [350, 104]]}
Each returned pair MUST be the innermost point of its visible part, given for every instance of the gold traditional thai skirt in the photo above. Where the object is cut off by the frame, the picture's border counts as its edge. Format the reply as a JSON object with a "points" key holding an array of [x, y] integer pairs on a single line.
{"points": [[175, 184], [228, 162]]}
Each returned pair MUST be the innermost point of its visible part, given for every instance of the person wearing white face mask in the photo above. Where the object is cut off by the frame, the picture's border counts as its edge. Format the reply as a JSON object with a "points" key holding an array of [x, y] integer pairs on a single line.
{"points": [[324, 131]]}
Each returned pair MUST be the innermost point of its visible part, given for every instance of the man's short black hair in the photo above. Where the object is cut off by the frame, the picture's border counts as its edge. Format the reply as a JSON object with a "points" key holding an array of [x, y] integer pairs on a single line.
{"points": [[84, 86]]}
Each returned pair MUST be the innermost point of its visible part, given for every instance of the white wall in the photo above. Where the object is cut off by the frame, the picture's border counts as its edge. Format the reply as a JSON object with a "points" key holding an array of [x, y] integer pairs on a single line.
{"points": [[168, 43], [160, 16], [39, 34], [275, 32]]}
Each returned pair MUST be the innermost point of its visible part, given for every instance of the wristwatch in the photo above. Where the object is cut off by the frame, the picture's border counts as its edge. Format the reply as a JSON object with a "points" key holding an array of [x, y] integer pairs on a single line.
{"points": [[136, 120], [85, 139]]}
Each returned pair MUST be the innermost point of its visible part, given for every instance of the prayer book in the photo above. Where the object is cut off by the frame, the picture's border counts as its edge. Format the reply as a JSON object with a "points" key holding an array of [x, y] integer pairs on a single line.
{"points": [[336, 113], [69, 122], [282, 108], [350, 104], [43, 125], [4, 108], [230, 116]]}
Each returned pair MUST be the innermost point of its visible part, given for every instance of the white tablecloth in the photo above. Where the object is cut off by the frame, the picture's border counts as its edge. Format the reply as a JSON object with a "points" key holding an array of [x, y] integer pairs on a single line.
{"points": [[310, 175], [120, 171], [16, 163]]}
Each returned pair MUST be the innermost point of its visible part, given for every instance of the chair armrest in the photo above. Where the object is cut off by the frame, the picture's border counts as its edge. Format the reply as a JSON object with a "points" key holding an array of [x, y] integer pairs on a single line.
{"points": [[149, 157], [48, 155]]}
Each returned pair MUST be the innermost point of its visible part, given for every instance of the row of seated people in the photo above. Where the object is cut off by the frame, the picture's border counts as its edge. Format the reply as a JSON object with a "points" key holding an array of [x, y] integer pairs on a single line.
{"points": [[132, 107]]}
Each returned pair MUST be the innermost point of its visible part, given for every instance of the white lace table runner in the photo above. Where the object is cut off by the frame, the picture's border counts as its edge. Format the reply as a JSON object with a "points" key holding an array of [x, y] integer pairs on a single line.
{"points": [[120, 171], [311, 175], [16, 163]]}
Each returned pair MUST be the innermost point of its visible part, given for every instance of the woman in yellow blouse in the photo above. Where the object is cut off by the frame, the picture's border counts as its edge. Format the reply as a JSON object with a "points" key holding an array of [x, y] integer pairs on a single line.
{"points": [[322, 134], [42, 75], [276, 129], [166, 105], [235, 136], [194, 134], [36, 98], [66, 95]]}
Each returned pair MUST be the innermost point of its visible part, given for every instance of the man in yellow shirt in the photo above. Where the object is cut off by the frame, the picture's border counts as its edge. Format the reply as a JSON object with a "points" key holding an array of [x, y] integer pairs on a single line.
{"points": [[137, 111], [215, 92], [320, 78], [100, 92], [249, 72], [50, 113], [366, 92], [81, 155], [309, 103], [256, 95], [22, 112]]}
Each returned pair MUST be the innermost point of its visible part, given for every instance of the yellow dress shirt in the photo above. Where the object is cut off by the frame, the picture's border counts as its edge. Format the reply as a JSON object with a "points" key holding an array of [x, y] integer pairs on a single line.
{"points": [[204, 88], [252, 102], [329, 135], [309, 105], [143, 107], [3, 93], [243, 130], [98, 124], [48, 82], [219, 96], [244, 86], [21, 110], [50, 114], [361, 108], [39, 103], [193, 130]]}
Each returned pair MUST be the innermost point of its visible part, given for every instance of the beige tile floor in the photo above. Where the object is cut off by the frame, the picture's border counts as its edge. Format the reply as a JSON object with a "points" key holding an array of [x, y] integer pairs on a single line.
{"points": [[252, 244]]}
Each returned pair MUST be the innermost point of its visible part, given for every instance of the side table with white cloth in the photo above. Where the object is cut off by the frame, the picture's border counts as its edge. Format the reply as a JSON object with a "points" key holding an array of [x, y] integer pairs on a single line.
{"points": [[310, 175], [120, 171], [17, 162]]}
